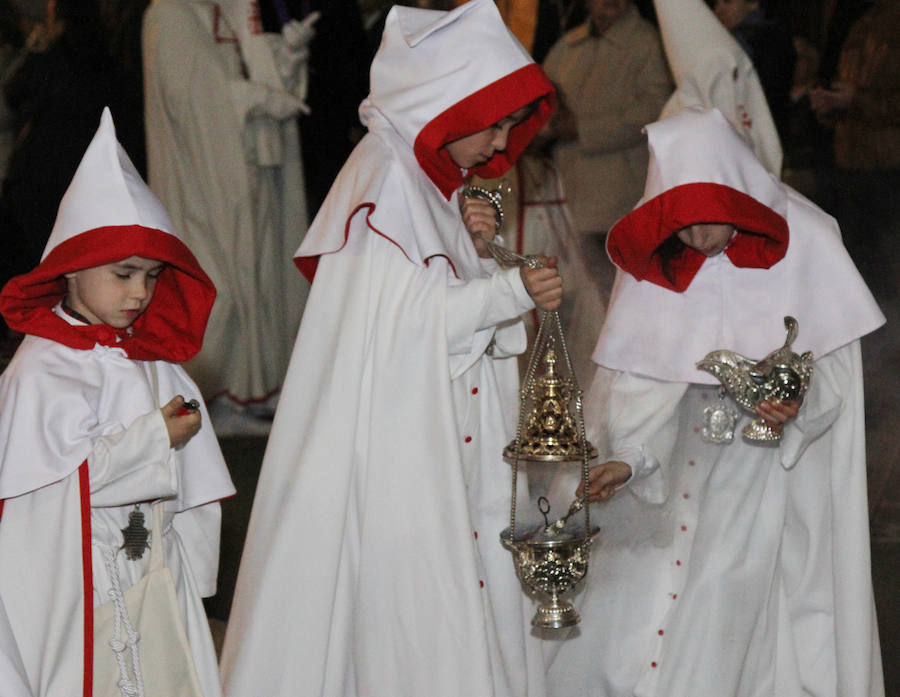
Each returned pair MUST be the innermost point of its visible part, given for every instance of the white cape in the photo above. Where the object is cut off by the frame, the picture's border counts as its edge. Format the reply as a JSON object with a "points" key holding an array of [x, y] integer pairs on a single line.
{"points": [[372, 564], [83, 397]]}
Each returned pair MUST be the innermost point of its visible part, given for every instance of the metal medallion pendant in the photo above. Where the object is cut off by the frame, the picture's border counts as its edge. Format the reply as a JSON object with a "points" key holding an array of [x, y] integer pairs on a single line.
{"points": [[718, 422], [135, 535]]}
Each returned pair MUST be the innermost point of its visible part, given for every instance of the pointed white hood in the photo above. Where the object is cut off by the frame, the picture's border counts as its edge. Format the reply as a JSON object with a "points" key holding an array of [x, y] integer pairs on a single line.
{"points": [[711, 70], [106, 190], [108, 214], [431, 81]]}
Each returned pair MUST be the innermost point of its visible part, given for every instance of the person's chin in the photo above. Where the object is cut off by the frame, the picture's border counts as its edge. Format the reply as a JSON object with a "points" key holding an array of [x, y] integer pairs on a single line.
{"points": [[125, 319]]}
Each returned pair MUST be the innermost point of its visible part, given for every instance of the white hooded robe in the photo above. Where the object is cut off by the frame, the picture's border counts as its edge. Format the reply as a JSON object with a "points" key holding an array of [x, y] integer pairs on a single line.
{"points": [[82, 439], [737, 569], [224, 157], [372, 565]]}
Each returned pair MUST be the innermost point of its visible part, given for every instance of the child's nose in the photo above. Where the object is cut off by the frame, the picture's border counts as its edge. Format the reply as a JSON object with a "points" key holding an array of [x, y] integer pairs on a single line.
{"points": [[500, 139], [140, 289]]}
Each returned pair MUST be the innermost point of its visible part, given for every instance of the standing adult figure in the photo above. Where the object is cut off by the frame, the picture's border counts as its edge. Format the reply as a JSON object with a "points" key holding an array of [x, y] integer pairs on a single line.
{"points": [[611, 75], [612, 79], [224, 157]]}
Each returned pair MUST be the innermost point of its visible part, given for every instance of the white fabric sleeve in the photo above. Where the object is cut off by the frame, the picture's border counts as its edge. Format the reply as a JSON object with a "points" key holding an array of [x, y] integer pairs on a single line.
{"points": [[133, 465], [638, 418], [481, 304], [255, 99], [830, 381]]}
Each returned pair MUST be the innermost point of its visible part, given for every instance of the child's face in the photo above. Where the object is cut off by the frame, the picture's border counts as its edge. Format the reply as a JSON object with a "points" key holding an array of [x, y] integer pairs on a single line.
{"points": [[732, 12], [115, 294], [707, 238], [476, 149]]}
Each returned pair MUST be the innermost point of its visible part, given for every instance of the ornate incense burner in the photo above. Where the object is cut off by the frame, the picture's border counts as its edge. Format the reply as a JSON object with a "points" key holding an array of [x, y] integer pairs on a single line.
{"points": [[549, 459], [552, 454]]}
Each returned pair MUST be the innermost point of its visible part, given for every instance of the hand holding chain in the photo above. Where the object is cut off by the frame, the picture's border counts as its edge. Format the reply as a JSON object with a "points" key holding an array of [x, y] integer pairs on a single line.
{"points": [[502, 255]]}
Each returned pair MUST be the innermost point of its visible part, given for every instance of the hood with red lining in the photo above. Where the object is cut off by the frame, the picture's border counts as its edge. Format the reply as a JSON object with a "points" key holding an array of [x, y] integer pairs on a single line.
{"points": [[108, 214], [440, 76], [683, 191]]}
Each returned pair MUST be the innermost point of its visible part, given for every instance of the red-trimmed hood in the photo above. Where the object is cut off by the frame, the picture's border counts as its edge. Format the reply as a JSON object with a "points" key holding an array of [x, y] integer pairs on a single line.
{"points": [[439, 76], [170, 329], [683, 190], [108, 214], [702, 171], [634, 242]]}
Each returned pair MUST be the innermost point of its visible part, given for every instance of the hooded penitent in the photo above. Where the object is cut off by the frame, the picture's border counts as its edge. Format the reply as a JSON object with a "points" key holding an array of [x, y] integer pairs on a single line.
{"points": [[386, 448], [108, 214], [81, 436], [727, 566], [712, 71], [786, 259]]}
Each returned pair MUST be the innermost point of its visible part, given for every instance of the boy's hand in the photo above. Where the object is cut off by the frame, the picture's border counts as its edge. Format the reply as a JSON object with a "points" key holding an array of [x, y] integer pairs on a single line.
{"points": [[776, 413], [604, 480], [544, 285], [480, 218], [181, 428]]}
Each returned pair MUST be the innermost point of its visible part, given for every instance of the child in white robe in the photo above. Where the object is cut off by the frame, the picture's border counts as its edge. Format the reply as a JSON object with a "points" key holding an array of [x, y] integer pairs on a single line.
{"points": [[372, 565], [92, 428], [726, 568]]}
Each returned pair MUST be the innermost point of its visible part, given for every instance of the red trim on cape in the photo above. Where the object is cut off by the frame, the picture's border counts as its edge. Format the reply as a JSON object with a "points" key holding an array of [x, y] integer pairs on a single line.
{"points": [[171, 328], [481, 110], [446, 258], [633, 242], [84, 487], [308, 264]]}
